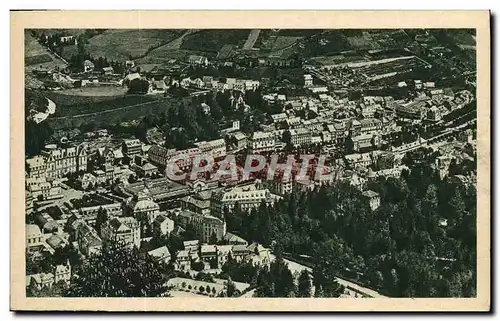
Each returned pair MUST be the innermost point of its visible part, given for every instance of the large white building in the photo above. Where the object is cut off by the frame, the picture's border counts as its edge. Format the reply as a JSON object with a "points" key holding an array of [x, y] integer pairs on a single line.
{"points": [[261, 142], [247, 197], [215, 148], [62, 161], [300, 136]]}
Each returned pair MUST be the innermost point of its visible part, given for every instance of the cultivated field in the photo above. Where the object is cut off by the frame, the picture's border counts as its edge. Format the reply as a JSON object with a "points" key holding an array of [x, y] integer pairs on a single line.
{"points": [[125, 44], [36, 55]]}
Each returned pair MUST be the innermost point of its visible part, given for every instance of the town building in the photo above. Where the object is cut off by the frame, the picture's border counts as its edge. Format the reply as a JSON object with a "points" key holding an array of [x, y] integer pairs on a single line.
{"points": [[373, 199], [88, 66], [122, 229], [308, 81], [240, 140], [198, 203], [247, 197], [234, 239], [161, 254], [198, 60], [143, 207], [207, 227], [131, 148], [215, 148], [34, 238], [88, 240], [162, 226], [36, 166], [300, 136], [62, 273], [62, 161], [89, 213], [261, 142]]}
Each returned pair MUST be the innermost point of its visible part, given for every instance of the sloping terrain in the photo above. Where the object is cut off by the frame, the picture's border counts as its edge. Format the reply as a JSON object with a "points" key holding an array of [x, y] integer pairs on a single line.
{"points": [[123, 44]]}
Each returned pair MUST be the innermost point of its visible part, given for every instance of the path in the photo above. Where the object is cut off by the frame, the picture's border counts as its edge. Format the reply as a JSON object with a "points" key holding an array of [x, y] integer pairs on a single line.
{"points": [[252, 38], [351, 288]]}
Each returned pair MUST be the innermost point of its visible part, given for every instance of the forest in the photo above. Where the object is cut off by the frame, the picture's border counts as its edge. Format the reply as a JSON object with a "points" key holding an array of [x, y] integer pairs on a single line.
{"points": [[421, 241]]}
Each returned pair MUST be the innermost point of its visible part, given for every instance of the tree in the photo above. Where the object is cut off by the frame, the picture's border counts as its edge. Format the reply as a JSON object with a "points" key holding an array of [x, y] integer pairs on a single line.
{"points": [[198, 266], [201, 289], [213, 238], [120, 271], [304, 286], [138, 86], [230, 288], [102, 217], [287, 137]]}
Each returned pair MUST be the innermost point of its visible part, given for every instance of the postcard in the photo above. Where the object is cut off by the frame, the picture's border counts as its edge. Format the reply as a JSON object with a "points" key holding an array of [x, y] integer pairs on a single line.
{"points": [[250, 161]]}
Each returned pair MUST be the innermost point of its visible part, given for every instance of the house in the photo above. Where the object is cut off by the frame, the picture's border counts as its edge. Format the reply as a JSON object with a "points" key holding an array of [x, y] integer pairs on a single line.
{"points": [[207, 227], [131, 148], [46, 223], [123, 229], [373, 199], [258, 255], [142, 206], [34, 238], [36, 166], [162, 225], [56, 241], [88, 240], [41, 281], [108, 70], [88, 66], [308, 81], [198, 60], [183, 260], [248, 197], [198, 203], [434, 114], [233, 239], [208, 254], [191, 245], [62, 273], [62, 161], [161, 254]]}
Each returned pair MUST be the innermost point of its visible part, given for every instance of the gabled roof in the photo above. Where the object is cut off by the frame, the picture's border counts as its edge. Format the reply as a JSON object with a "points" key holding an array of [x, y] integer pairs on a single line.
{"points": [[160, 252]]}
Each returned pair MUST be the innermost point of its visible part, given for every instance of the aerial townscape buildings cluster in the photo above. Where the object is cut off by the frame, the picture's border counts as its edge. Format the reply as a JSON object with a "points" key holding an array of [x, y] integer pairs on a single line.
{"points": [[392, 112]]}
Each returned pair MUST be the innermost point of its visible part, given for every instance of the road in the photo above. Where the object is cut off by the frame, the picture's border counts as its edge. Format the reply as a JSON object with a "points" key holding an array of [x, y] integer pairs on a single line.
{"points": [[351, 288]]}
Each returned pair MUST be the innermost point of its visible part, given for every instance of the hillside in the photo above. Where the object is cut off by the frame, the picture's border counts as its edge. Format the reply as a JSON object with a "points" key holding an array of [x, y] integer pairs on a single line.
{"points": [[123, 44]]}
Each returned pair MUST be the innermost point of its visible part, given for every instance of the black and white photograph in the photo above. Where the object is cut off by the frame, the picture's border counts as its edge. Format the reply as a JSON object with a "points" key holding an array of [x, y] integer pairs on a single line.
{"points": [[336, 163]]}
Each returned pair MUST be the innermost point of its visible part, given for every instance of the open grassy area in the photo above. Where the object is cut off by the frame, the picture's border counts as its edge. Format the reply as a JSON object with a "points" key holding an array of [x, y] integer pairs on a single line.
{"points": [[72, 105], [94, 91], [121, 44]]}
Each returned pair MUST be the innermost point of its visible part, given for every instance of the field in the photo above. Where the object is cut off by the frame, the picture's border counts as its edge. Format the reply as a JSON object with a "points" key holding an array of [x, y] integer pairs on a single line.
{"points": [[211, 40], [95, 91], [170, 50], [73, 105], [36, 55], [283, 42], [110, 112], [125, 44]]}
